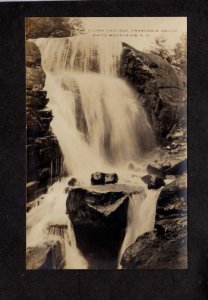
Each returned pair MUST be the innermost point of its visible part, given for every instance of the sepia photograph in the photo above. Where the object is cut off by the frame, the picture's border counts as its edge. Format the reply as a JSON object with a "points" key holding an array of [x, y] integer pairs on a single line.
{"points": [[106, 109]]}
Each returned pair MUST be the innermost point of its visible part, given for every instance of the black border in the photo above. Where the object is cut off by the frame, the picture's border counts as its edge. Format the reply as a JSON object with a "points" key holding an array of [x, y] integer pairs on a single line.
{"points": [[15, 281]]}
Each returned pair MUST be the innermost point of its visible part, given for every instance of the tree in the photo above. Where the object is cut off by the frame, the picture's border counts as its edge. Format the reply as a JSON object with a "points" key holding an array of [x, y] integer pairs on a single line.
{"points": [[36, 27], [161, 48], [177, 56]]}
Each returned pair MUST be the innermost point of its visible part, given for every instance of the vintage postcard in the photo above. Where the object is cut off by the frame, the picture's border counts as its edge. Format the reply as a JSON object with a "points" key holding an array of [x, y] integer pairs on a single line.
{"points": [[106, 103]]}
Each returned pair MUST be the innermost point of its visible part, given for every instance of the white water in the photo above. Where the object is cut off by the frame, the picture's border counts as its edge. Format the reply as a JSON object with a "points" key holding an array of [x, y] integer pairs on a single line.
{"points": [[97, 118], [100, 127], [141, 217], [52, 211]]}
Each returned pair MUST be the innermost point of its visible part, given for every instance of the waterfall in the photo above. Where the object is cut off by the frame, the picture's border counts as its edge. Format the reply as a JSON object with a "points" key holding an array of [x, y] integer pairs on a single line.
{"points": [[48, 222], [97, 119], [100, 126]]}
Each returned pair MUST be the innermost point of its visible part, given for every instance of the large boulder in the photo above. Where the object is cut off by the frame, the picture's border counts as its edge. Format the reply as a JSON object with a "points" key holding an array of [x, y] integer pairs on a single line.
{"points": [[163, 248], [160, 88], [99, 218]]}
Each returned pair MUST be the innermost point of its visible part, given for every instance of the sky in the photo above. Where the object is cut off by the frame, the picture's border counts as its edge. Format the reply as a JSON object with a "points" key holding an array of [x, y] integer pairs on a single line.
{"points": [[169, 27]]}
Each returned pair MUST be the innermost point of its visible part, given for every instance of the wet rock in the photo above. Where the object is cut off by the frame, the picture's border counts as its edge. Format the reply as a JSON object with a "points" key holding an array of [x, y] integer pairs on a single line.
{"points": [[177, 169], [72, 182], [99, 218], [111, 178], [99, 178], [164, 248], [156, 182], [153, 181]]}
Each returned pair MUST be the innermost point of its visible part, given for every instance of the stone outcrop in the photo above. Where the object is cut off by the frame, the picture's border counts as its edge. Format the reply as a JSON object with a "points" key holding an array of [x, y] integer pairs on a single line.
{"points": [[99, 218], [164, 248], [44, 159], [159, 87]]}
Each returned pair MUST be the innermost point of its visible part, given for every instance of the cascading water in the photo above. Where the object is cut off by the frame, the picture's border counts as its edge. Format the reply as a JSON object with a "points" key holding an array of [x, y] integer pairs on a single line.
{"points": [[97, 119], [100, 126]]}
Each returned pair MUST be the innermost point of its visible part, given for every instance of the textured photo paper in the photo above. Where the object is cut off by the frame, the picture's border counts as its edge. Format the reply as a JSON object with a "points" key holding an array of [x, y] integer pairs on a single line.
{"points": [[106, 106]]}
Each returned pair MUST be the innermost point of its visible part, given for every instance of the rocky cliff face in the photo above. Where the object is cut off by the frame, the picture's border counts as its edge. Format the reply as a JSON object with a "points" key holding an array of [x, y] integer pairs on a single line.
{"points": [[44, 157], [160, 88]]}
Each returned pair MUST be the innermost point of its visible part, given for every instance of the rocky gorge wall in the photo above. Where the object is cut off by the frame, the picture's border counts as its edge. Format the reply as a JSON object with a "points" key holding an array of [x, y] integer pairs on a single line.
{"points": [[44, 158], [160, 87]]}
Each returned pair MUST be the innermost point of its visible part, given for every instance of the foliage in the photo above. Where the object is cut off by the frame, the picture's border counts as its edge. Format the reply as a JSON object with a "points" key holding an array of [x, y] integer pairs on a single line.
{"points": [[36, 27], [177, 56]]}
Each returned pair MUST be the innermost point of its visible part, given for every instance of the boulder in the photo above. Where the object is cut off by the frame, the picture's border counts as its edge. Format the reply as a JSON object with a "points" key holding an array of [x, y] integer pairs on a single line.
{"points": [[153, 181], [99, 218], [99, 178], [156, 182], [160, 89], [163, 248], [72, 181], [111, 178]]}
